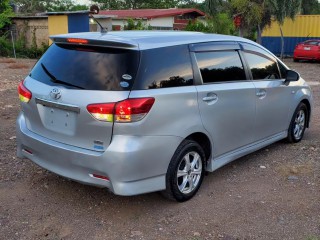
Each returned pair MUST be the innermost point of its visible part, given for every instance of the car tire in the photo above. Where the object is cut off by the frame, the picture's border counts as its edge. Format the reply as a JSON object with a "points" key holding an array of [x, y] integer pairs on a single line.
{"points": [[185, 172], [298, 124], [295, 60]]}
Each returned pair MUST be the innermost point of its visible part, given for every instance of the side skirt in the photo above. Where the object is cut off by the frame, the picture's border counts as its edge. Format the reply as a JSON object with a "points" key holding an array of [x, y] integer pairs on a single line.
{"points": [[224, 159]]}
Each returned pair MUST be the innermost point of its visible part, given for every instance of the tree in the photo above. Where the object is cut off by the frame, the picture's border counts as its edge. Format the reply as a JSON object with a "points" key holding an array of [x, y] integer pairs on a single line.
{"points": [[5, 13], [31, 6], [65, 5], [309, 7], [221, 24], [216, 6], [251, 13], [36, 6], [281, 9]]}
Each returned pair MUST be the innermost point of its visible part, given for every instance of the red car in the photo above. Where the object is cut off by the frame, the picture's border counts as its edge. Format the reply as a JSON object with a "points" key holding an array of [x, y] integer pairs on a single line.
{"points": [[308, 50]]}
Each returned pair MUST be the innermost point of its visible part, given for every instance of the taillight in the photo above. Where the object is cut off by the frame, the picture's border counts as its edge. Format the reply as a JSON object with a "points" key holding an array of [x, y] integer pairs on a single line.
{"points": [[133, 110], [129, 110], [24, 94], [102, 111]]}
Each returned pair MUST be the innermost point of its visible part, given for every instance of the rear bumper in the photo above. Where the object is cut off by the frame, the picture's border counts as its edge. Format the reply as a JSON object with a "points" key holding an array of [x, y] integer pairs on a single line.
{"points": [[133, 164], [305, 55]]}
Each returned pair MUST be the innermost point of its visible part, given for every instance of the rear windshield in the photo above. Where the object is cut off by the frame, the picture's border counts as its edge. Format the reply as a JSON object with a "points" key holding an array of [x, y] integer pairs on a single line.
{"points": [[85, 67]]}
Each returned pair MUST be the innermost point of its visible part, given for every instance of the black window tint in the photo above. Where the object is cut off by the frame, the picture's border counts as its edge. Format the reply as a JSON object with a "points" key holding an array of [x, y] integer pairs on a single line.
{"points": [[262, 67], [220, 66], [164, 67], [315, 43], [85, 67], [283, 70]]}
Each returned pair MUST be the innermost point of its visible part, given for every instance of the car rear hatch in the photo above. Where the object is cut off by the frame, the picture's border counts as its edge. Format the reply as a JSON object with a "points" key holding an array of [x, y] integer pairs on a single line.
{"points": [[69, 77], [310, 48]]}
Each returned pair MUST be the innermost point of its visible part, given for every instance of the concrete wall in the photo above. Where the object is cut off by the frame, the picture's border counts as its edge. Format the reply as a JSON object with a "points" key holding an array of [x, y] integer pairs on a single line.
{"points": [[161, 22], [32, 29], [165, 23]]}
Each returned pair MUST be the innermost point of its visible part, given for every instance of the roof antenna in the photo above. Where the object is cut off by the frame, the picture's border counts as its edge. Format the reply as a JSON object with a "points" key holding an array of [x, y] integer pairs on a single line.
{"points": [[94, 9]]}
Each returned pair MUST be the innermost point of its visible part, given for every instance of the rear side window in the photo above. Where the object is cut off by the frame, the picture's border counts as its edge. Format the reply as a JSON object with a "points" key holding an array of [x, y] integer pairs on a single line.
{"points": [[85, 67], [262, 67], [220, 66], [315, 43], [164, 67]]}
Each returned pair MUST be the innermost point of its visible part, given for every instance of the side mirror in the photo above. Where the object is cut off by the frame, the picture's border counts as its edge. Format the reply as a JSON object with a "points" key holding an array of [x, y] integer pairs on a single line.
{"points": [[292, 76]]}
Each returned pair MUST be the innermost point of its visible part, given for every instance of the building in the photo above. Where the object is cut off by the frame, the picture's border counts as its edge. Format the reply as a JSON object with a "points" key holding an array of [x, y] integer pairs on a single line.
{"points": [[158, 19], [302, 28]]}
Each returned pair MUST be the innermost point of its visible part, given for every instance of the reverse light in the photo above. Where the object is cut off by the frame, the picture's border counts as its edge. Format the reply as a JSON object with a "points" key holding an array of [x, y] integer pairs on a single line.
{"points": [[129, 110], [77, 40], [24, 94]]}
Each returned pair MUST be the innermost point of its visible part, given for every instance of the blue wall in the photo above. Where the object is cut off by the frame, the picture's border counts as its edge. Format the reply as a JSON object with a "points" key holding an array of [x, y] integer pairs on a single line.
{"points": [[78, 23], [273, 44]]}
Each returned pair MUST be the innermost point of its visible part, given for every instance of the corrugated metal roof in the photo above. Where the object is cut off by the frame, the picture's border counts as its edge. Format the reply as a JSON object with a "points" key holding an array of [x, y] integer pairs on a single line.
{"points": [[302, 26], [150, 13]]}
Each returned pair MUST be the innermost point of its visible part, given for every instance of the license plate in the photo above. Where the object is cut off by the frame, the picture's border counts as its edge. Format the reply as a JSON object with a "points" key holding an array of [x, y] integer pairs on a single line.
{"points": [[58, 120], [307, 48]]}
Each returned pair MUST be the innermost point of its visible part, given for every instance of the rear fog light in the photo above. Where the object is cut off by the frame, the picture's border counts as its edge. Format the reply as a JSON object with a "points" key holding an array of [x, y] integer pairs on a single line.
{"points": [[100, 177], [27, 151]]}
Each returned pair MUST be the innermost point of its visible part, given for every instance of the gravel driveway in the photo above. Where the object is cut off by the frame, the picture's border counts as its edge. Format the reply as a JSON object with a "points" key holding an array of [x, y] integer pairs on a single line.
{"points": [[271, 194]]}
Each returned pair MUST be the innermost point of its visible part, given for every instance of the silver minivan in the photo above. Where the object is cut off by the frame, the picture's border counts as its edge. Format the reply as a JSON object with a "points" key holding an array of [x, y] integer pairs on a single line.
{"points": [[144, 111]]}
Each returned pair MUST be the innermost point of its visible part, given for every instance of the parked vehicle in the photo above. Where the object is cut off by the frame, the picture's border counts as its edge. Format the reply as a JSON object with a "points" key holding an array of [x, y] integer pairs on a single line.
{"points": [[308, 50], [138, 112]]}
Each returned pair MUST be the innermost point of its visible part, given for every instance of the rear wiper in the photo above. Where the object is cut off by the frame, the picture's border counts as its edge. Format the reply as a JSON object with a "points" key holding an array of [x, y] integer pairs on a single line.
{"points": [[55, 80]]}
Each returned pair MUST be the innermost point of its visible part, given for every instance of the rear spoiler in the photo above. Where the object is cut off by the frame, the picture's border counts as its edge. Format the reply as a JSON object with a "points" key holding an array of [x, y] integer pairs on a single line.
{"points": [[94, 42]]}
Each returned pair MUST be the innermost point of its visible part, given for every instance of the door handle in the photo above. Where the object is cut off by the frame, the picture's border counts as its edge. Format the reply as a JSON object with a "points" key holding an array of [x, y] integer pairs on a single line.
{"points": [[261, 93], [211, 97]]}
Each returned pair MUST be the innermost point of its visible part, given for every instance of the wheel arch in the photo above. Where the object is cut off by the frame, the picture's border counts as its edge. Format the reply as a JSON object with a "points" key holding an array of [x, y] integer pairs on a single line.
{"points": [[204, 141], [307, 103]]}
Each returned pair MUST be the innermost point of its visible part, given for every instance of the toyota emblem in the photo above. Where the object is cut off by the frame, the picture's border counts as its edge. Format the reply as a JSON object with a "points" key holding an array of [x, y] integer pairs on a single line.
{"points": [[55, 93]]}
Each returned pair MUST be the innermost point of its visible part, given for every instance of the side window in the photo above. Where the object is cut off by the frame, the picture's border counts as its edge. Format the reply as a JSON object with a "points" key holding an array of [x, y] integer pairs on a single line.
{"points": [[220, 66], [262, 67], [164, 67]]}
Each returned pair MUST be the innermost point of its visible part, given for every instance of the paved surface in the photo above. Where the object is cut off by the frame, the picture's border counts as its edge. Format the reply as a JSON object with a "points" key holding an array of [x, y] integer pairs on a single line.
{"points": [[243, 200]]}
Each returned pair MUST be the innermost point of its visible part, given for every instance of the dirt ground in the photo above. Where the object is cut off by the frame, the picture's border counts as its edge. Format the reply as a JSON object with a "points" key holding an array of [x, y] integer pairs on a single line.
{"points": [[271, 194]]}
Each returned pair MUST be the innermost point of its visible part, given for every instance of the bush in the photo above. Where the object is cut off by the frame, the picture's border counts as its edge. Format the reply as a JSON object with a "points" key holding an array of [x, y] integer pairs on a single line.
{"points": [[6, 48], [221, 23]]}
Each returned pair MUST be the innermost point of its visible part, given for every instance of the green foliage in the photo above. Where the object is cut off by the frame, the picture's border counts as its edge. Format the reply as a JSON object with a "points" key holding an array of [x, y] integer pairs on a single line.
{"points": [[34, 6], [31, 6], [215, 6], [6, 48], [220, 23], [223, 24], [5, 13], [136, 25], [250, 11], [309, 7], [282, 9], [198, 26], [65, 5], [193, 4]]}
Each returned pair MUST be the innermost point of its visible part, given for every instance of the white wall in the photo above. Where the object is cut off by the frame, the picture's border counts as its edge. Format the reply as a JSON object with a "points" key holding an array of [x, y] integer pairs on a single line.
{"points": [[156, 22], [161, 22]]}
